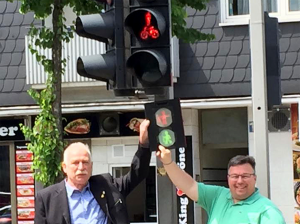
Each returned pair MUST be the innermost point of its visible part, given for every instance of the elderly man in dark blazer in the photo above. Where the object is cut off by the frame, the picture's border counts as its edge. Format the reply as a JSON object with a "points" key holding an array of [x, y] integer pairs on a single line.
{"points": [[82, 198]]}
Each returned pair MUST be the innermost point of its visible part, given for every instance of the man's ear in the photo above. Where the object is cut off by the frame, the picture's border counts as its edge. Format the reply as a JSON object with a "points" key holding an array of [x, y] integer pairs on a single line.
{"points": [[63, 165]]}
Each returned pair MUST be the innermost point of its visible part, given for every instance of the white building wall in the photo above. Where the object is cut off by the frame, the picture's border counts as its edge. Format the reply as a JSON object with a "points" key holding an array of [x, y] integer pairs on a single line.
{"points": [[102, 153], [281, 170]]}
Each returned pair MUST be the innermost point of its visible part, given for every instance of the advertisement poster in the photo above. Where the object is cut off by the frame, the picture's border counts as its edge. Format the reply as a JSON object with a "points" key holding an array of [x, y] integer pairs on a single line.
{"points": [[25, 184]]}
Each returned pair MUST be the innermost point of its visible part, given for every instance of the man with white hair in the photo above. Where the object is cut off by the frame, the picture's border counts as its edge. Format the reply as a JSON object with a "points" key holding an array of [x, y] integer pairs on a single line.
{"points": [[83, 198]]}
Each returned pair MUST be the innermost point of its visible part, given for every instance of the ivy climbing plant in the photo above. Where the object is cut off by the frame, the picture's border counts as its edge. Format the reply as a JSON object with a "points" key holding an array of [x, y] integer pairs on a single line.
{"points": [[46, 136]]}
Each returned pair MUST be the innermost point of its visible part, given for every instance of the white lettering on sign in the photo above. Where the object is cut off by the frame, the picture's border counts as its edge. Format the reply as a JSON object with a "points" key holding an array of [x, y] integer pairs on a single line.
{"points": [[181, 162], [10, 131], [183, 210]]}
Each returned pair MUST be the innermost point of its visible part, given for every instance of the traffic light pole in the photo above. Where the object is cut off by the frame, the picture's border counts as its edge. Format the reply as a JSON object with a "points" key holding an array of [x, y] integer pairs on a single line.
{"points": [[259, 95]]}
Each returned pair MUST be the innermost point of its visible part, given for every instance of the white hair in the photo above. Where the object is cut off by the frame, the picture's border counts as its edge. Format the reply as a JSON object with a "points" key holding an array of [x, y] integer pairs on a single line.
{"points": [[76, 144]]}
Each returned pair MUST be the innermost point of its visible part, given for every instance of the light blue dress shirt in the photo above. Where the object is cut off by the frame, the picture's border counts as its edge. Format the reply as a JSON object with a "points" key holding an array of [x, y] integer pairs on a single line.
{"points": [[83, 206]]}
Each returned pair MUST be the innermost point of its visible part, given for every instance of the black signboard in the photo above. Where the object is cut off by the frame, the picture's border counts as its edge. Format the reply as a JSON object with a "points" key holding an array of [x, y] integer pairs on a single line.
{"points": [[10, 129], [185, 206]]}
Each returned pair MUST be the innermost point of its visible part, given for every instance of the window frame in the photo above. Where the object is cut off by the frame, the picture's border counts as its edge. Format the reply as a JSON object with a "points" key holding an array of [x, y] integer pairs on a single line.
{"points": [[283, 14]]}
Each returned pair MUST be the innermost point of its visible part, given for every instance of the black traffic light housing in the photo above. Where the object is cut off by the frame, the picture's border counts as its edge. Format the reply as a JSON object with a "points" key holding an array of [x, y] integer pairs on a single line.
{"points": [[105, 27], [273, 68], [166, 124], [148, 22]]}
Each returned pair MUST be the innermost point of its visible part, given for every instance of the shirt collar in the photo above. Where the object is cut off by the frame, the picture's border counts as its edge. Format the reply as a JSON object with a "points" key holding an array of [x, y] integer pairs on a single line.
{"points": [[250, 200], [70, 190]]}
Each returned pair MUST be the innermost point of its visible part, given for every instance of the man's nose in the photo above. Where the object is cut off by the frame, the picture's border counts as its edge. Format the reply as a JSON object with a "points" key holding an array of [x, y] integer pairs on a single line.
{"points": [[240, 179], [80, 166]]}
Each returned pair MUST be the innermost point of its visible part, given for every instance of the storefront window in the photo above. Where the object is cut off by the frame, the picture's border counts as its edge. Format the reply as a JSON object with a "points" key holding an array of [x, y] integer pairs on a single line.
{"points": [[141, 203], [5, 193]]}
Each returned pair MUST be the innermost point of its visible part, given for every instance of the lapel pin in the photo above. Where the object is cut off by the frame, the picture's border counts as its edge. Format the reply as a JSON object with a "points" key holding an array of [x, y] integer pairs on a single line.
{"points": [[103, 194]]}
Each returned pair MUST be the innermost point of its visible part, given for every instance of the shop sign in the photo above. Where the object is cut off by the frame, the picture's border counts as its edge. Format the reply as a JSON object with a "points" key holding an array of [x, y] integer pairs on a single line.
{"points": [[185, 206], [10, 130]]}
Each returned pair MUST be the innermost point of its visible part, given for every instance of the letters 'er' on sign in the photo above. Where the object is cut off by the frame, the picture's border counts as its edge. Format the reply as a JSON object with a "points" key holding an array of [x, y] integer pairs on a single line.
{"points": [[166, 126]]}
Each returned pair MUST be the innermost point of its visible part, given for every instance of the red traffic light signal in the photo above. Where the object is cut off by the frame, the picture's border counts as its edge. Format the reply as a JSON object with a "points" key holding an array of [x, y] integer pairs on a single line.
{"points": [[149, 25]]}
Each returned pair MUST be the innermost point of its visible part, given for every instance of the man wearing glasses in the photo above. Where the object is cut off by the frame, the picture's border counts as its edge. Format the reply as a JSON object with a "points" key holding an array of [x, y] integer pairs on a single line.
{"points": [[240, 204]]}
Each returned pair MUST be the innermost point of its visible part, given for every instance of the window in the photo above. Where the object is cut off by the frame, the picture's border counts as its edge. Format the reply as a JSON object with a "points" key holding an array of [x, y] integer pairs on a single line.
{"points": [[236, 12], [141, 202]]}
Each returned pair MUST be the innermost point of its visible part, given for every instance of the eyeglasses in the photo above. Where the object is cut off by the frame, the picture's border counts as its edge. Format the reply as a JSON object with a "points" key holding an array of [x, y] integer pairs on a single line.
{"points": [[244, 176]]}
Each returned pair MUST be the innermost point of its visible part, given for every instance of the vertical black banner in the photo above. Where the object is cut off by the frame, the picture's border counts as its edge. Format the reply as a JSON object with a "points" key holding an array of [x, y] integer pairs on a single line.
{"points": [[185, 206]]}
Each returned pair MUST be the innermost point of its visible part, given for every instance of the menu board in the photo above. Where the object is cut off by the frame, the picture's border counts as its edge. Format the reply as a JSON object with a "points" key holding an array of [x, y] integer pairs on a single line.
{"points": [[24, 184]]}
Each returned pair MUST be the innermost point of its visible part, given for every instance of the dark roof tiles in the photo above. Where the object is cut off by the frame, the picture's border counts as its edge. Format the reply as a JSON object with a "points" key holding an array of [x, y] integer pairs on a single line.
{"points": [[12, 7], [7, 19], [204, 77], [22, 71], [14, 32], [208, 63], [212, 49], [290, 58], [3, 72], [295, 44], [12, 72], [18, 19], [8, 85], [286, 72], [219, 62], [218, 32], [10, 46], [5, 59], [201, 49], [28, 19], [287, 30], [227, 75], [224, 48], [195, 22], [231, 62], [236, 47], [1, 85], [210, 21], [19, 85], [239, 75], [3, 5], [243, 61], [13, 28], [296, 72], [284, 44], [215, 76], [213, 8], [4, 33]]}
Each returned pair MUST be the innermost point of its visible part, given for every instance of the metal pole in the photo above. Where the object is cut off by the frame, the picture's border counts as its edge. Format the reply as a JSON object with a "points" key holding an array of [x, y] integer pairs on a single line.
{"points": [[259, 95]]}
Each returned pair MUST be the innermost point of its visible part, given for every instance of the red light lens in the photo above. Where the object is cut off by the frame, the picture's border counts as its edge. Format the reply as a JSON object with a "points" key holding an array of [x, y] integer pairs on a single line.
{"points": [[149, 31]]}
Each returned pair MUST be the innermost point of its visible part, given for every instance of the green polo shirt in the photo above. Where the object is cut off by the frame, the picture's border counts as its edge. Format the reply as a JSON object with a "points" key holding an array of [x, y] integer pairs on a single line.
{"points": [[218, 203]]}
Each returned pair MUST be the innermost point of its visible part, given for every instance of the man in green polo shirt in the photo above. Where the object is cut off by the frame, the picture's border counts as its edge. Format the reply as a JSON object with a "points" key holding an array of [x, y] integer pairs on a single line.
{"points": [[240, 204]]}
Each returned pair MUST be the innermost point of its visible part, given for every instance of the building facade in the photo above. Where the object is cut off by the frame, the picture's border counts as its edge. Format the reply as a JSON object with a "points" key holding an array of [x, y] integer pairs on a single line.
{"points": [[214, 86]]}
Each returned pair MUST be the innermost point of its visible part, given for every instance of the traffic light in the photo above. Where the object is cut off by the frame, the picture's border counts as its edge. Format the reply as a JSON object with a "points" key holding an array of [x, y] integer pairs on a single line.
{"points": [[273, 68], [166, 125], [148, 23], [105, 27]]}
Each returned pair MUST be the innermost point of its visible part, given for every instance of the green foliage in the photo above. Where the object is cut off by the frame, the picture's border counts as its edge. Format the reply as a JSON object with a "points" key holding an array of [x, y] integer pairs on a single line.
{"points": [[179, 29], [44, 137]]}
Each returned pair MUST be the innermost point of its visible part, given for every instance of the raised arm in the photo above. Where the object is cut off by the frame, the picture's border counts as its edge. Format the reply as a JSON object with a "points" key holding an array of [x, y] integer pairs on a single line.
{"points": [[180, 179], [140, 163]]}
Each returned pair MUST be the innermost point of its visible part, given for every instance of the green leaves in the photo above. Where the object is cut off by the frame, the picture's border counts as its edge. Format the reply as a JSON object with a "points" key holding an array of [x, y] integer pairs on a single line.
{"points": [[179, 29]]}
